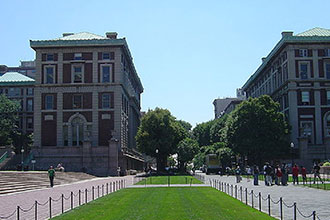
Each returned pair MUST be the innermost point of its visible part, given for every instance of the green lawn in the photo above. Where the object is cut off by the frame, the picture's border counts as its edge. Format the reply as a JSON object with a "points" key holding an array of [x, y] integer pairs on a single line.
{"points": [[318, 186], [181, 203], [173, 180]]}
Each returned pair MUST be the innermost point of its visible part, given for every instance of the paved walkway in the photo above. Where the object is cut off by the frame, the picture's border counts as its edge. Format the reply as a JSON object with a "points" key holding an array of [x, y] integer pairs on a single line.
{"points": [[307, 199], [26, 200]]}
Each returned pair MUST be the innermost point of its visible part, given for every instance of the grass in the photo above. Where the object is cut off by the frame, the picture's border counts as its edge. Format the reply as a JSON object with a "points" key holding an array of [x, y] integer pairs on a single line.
{"points": [[182, 203], [325, 186], [155, 180]]}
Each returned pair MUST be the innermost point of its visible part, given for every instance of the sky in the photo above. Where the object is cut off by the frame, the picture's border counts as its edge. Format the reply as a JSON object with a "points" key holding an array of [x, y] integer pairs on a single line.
{"points": [[186, 52]]}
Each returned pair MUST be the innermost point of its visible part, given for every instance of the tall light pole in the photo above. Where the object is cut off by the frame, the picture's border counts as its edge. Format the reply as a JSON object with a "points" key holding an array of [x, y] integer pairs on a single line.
{"points": [[292, 147], [22, 155]]}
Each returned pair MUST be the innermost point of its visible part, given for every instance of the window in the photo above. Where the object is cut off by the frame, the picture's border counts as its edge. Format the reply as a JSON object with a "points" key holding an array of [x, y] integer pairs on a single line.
{"points": [[106, 101], [50, 57], [327, 52], [327, 124], [77, 125], [105, 71], [29, 123], [77, 73], [303, 69], [78, 56], [49, 102], [29, 105], [327, 70], [77, 101], [328, 97], [29, 91], [49, 74], [307, 130], [14, 92], [305, 97], [303, 52], [105, 56]]}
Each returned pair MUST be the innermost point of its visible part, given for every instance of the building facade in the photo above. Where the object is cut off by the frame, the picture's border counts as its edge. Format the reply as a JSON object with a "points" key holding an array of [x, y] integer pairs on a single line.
{"points": [[87, 104], [27, 68], [20, 88], [296, 73]]}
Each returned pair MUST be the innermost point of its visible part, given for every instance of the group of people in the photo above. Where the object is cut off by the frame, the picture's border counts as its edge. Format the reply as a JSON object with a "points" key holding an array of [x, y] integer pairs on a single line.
{"points": [[278, 175]]}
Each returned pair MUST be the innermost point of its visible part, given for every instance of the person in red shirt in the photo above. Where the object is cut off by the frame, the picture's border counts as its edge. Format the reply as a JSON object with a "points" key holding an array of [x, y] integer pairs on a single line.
{"points": [[295, 172], [279, 175], [303, 174]]}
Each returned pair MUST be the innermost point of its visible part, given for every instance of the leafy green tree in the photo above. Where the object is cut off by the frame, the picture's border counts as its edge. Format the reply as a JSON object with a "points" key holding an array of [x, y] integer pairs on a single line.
{"points": [[158, 135], [8, 118], [187, 149], [257, 129], [225, 155], [216, 130], [22, 140], [185, 124], [201, 133]]}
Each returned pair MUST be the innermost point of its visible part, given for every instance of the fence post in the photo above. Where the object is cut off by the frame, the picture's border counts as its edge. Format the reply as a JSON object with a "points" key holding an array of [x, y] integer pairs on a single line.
{"points": [[314, 215], [260, 201], [17, 212], [241, 189], [252, 199], [50, 207], [232, 190], [85, 196], [36, 210], [92, 192], [107, 188], [246, 202], [79, 197], [268, 204], [294, 211], [281, 208], [98, 191], [71, 200], [62, 203], [235, 191]]}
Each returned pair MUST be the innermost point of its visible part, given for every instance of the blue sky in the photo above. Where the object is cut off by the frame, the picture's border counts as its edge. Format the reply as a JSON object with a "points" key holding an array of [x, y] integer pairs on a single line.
{"points": [[187, 53]]}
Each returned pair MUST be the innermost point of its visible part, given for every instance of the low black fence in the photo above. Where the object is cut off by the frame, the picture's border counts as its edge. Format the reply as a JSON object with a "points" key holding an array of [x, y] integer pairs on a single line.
{"points": [[44, 210], [256, 201]]}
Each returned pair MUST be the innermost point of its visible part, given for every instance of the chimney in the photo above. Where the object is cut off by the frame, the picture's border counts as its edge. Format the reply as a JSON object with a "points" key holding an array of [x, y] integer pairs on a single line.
{"points": [[263, 59], [67, 34], [111, 35], [287, 34]]}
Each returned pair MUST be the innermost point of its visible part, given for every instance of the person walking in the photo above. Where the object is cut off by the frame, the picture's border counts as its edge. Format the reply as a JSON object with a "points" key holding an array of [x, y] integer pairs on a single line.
{"points": [[303, 174], [51, 175], [279, 175], [268, 171], [284, 175], [295, 172], [238, 174], [255, 175], [316, 170]]}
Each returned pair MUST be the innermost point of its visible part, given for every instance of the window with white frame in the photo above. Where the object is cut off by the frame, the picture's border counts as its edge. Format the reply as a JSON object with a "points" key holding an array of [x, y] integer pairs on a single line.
{"points": [[77, 73], [305, 97], [77, 101], [327, 52], [105, 56], [303, 70], [106, 100], [106, 73], [49, 74], [29, 91], [50, 57], [307, 130], [78, 56], [327, 70], [303, 52], [49, 102], [29, 105]]}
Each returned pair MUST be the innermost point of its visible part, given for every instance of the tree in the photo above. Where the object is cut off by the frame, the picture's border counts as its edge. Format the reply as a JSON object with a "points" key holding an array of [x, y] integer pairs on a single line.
{"points": [[185, 124], [8, 118], [187, 149], [225, 155], [158, 135], [217, 128], [257, 129], [201, 133]]}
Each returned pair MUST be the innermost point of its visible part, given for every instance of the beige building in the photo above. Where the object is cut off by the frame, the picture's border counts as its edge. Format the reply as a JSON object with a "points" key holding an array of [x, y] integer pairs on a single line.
{"points": [[87, 104], [296, 73]]}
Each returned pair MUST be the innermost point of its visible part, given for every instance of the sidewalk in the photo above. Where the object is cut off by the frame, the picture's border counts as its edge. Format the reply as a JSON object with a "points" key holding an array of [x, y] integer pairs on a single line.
{"points": [[307, 199], [26, 200]]}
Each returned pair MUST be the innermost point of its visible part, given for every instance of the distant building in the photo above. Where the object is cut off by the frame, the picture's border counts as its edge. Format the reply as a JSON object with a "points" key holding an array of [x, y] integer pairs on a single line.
{"points": [[27, 68], [87, 104], [20, 88], [296, 73], [226, 105]]}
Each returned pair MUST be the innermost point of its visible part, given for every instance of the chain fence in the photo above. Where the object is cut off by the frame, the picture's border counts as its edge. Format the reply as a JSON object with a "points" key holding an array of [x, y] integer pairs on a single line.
{"points": [[56, 206]]}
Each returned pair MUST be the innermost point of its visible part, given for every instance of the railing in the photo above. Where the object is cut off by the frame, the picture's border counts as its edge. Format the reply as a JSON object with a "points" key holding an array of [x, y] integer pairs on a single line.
{"points": [[46, 209], [253, 198], [4, 156]]}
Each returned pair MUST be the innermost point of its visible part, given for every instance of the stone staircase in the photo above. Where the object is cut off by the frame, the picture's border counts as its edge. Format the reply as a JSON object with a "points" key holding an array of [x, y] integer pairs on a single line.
{"points": [[12, 181]]}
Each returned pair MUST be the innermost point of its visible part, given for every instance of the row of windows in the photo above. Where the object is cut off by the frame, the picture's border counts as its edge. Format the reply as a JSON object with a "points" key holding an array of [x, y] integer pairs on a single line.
{"points": [[28, 123], [308, 53], [77, 73], [16, 91], [79, 56], [305, 70], [77, 101], [306, 97]]}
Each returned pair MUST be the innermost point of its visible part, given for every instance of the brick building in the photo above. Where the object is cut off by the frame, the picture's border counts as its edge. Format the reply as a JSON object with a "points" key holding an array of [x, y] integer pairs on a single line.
{"points": [[296, 73], [87, 104]]}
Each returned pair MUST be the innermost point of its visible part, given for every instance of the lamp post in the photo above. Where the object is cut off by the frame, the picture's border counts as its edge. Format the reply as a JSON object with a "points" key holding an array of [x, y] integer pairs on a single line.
{"points": [[22, 155], [292, 146], [157, 159]]}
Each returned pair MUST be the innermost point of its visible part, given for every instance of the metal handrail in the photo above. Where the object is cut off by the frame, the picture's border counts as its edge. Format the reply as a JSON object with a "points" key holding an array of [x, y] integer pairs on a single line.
{"points": [[4, 156]]}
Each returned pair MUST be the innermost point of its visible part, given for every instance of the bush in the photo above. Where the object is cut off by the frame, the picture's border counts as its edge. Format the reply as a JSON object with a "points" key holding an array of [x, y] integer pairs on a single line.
{"points": [[326, 164]]}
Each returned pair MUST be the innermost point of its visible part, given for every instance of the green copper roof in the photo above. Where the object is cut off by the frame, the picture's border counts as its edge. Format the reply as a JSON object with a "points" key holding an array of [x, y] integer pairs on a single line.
{"points": [[15, 78], [82, 36], [315, 35]]}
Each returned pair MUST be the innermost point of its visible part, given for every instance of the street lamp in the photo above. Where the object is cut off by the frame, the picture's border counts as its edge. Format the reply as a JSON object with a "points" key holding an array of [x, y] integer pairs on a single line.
{"points": [[22, 154], [157, 160], [292, 146]]}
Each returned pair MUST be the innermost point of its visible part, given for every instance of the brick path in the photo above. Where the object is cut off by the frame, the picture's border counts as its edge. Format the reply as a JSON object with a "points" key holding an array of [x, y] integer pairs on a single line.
{"points": [[26, 200], [307, 199]]}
